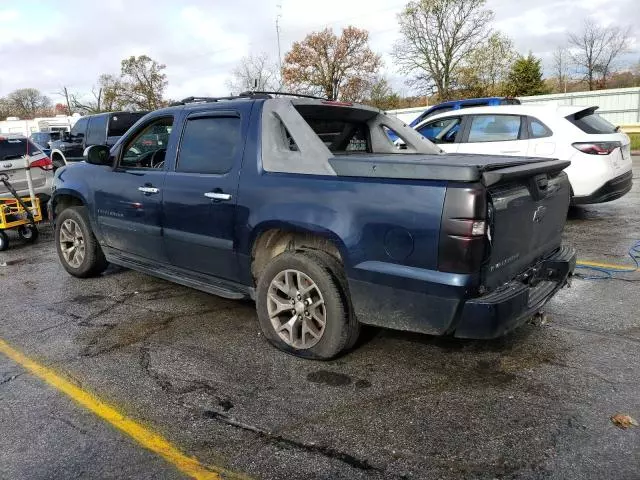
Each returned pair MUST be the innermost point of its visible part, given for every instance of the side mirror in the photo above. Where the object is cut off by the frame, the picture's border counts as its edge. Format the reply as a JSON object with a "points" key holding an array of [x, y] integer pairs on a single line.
{"points": [[98, 155]]}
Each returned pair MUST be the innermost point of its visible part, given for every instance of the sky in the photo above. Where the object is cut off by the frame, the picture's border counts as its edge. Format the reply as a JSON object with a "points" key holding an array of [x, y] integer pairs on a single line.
{"points": [[48, 44]]}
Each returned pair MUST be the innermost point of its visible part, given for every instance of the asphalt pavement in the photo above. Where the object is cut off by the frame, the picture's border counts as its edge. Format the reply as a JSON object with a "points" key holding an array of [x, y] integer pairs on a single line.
{"points": [[195, 369]]}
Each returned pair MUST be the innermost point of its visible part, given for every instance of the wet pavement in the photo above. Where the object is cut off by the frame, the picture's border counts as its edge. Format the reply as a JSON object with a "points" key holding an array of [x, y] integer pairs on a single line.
{"points": [[193, 367]]}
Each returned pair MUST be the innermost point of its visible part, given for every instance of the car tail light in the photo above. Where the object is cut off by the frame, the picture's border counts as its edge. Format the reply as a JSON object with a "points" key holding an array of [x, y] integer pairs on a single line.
{"points": [[43, 163], [463, 232], [597, 148]]}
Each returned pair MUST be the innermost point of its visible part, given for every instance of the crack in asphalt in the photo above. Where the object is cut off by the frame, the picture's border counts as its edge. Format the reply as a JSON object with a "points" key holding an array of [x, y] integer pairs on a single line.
{"points": [[323, 450], [10, 378]]}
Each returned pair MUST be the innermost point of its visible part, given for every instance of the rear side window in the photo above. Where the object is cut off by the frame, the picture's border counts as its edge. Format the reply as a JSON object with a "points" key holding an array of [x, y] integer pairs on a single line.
{"points": [[97, 131], [121, 122], [494, 128], [13, 148], [209, 145], [590, 122], [79, 128], [537, 129], [443, 130]]}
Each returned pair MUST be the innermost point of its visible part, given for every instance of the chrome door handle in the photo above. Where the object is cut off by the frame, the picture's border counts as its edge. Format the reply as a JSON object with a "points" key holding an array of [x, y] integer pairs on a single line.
{"points": [[149, 190], [218, 195]]}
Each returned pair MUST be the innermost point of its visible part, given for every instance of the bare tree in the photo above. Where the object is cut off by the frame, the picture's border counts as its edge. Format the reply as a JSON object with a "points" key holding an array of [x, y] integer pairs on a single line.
{"points": [[29, 103], [596, 50], [561, 62], [338, 67], [68, 98], [255, 72], [437, 37]]}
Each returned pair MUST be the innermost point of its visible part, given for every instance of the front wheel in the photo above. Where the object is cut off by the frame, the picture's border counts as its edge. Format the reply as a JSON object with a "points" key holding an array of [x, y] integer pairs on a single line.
{"points": [[77, 246], [28, 233], [4, 241], [301, 306]]}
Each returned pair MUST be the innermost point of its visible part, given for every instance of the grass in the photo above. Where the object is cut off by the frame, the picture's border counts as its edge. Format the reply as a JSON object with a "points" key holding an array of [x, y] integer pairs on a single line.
{"points": [[635, 141]]}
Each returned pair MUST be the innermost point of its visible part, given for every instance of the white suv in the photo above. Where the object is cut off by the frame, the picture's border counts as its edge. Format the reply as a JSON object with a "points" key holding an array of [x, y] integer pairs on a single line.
{"points": [[600, 155], [13, 150]]}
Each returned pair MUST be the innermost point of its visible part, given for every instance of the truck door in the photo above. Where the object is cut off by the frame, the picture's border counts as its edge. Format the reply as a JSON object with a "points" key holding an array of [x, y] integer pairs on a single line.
{"points": [[128, 198], [74, 148], [200, 192]]}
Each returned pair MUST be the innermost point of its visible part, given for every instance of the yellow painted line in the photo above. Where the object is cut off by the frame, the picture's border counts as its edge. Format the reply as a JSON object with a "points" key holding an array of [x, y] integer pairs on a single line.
{"points": [[145, 437], [613, 266]]}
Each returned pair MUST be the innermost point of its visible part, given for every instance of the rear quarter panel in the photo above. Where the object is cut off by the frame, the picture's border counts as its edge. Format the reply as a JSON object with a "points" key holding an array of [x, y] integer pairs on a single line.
{"points": [[367, 219]]}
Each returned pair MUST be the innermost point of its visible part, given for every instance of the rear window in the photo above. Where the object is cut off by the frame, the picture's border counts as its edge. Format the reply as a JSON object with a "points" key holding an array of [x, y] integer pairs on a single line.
{"points": [[590, 122], [12, 148], [121, 122], [341, 130]]}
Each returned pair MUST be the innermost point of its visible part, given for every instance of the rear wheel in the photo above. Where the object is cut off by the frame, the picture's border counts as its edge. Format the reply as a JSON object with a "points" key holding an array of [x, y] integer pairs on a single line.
{"points": [[301, 306], [28, 233], [78, 248], [4, 241]]}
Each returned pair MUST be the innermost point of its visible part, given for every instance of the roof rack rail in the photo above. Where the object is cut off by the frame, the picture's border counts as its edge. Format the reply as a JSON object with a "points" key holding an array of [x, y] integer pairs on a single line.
{"points": [[248, 94], [286, 94]]}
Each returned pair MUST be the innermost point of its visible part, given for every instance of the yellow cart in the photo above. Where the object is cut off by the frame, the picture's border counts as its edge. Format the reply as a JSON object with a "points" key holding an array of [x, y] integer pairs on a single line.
{"points": [[19, 213]]}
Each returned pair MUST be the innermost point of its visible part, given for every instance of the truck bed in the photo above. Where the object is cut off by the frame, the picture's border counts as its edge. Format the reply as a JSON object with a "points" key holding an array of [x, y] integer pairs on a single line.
{"points": [[491, 169]]}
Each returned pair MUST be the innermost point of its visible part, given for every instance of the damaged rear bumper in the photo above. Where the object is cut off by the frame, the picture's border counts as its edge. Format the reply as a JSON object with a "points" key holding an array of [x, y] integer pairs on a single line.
{"points": [[500, 311]]}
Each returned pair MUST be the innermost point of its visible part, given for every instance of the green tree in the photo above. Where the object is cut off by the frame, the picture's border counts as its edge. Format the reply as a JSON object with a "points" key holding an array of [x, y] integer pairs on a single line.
{"points": [[485, 72], [382, 95], [143, 82], [525, 77]]}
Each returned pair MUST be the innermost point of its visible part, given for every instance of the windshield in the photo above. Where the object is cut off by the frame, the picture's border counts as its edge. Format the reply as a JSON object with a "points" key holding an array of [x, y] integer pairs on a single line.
{"points": [[12, 148]]}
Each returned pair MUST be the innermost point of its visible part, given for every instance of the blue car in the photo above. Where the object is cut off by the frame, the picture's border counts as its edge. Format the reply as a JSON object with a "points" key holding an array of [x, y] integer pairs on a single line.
{"points": [[457, 105]]}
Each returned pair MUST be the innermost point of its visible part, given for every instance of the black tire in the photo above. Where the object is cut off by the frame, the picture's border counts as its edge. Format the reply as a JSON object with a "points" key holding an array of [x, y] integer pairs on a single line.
{"points": [[57, 162], [4, 241], [28, 233], [338, 328], [94, 262], [337, 269]]}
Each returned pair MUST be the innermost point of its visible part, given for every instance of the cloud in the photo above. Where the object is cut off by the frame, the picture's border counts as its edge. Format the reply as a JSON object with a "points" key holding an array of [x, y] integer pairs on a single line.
{"points": [[47, 45]]}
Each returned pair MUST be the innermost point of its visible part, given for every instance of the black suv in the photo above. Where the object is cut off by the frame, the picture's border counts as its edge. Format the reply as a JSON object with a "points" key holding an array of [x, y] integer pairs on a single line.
{"points": [[100, 129]]}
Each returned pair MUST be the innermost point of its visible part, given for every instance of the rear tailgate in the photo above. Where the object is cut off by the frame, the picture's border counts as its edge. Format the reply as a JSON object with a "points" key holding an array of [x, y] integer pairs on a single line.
{"points": [[527, 212]]}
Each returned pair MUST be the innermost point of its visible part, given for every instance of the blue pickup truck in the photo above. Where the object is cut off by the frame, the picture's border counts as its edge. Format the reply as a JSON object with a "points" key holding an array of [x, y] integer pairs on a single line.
{"points": [[307, 207]]}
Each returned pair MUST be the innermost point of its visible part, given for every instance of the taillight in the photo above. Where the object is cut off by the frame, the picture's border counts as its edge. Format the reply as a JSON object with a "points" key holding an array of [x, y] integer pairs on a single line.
{"points": [[44, 164], [463, 232], [597, 148]]}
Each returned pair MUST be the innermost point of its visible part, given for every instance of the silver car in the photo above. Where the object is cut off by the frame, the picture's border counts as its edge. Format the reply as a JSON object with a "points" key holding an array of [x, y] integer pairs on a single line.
{"points": [[13, 151]]}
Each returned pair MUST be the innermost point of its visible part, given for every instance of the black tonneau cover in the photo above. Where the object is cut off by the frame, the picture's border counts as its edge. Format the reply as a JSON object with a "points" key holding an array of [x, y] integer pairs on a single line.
{"points": [[455, 167]]}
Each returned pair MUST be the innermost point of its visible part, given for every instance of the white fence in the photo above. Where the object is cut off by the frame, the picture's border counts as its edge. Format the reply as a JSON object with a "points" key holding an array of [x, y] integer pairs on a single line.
{"points": [[621, 106]]}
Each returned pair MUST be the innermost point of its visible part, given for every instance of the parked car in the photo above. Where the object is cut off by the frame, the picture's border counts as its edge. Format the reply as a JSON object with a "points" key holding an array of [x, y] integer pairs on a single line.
{"points": [[464, 103], [13, 150], [306, 206], [600, 154], [457, 105], [44, 139], [99, 129]]}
